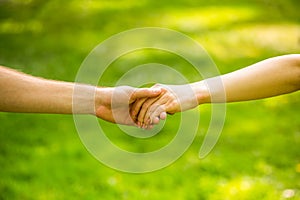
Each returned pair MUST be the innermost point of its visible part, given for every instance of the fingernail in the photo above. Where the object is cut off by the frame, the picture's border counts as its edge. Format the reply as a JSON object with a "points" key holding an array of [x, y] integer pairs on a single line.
{"points": [[156, 90]]}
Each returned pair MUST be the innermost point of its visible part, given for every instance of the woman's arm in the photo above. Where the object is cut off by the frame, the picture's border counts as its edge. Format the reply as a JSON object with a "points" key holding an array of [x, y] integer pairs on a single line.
{"points": [[271, 77]]}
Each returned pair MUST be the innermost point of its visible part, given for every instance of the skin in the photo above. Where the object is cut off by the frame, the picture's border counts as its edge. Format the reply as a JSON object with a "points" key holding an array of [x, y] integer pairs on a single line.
{"points": [[268, 78], [116, 106], [28, 94], [24, 93]]}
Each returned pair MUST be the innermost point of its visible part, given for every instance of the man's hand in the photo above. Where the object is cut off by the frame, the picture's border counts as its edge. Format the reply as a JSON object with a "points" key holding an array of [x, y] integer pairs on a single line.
{"points": [[114, 104]]}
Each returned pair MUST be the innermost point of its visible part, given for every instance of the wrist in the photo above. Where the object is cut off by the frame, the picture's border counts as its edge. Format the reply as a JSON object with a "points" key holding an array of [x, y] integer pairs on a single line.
{"points": [[103, 96], [201, 91], [87, 98]]}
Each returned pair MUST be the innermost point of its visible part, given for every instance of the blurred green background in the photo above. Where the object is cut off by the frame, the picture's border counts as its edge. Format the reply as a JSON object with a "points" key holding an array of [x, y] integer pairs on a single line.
{"points": [[257, 155]]}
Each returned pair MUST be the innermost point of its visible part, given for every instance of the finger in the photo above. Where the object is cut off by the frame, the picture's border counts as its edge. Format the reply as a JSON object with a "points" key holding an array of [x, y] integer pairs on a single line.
{"points": [[136, 107], [163, 115], [155, 120], [151, 109], [145, 92], [144, 109], [158, 106], [158, 113]]}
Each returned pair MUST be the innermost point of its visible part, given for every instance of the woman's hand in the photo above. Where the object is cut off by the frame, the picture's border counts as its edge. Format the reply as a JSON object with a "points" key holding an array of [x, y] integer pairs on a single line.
{"points": [[172, 99]]}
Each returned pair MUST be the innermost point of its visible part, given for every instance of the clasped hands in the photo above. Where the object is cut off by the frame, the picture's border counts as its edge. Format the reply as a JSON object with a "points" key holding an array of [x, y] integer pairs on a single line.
{"points": [[145, 107]]}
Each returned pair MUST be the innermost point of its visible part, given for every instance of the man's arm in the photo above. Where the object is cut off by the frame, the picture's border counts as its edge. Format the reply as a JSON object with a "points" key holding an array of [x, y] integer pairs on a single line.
{"points": [[25, 93]]}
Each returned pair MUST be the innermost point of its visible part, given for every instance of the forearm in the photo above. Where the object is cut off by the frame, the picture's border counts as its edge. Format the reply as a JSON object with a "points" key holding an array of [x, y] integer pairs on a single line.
{"points": [[271, 77], [24, 93]]}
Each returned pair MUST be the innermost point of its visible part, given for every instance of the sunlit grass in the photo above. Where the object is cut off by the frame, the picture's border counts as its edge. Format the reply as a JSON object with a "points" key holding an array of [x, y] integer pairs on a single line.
{"points": [[207, 18], [13, 27], [252, 40], [257, 155], [245, 188], [96, 6]]}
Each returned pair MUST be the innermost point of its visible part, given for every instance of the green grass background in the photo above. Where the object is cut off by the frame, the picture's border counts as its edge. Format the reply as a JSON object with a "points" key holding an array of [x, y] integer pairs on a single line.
{"points": [[257, 155]]}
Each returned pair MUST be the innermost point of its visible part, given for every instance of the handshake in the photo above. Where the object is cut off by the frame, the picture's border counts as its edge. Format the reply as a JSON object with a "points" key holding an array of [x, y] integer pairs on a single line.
{"points": [[145, 107]]}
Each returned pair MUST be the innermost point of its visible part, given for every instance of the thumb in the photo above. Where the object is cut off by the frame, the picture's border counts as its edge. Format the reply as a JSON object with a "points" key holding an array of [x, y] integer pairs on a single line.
{"points": [[145, 92]]}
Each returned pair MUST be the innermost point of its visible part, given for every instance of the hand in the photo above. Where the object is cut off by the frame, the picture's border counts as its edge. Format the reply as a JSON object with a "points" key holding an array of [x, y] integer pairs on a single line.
{"points": [[173, 98], [114, 104]]}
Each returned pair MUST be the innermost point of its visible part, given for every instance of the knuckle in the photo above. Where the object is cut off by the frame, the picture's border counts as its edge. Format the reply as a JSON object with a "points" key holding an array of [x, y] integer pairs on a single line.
{"points": [[157, 85], [173, 104]]}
